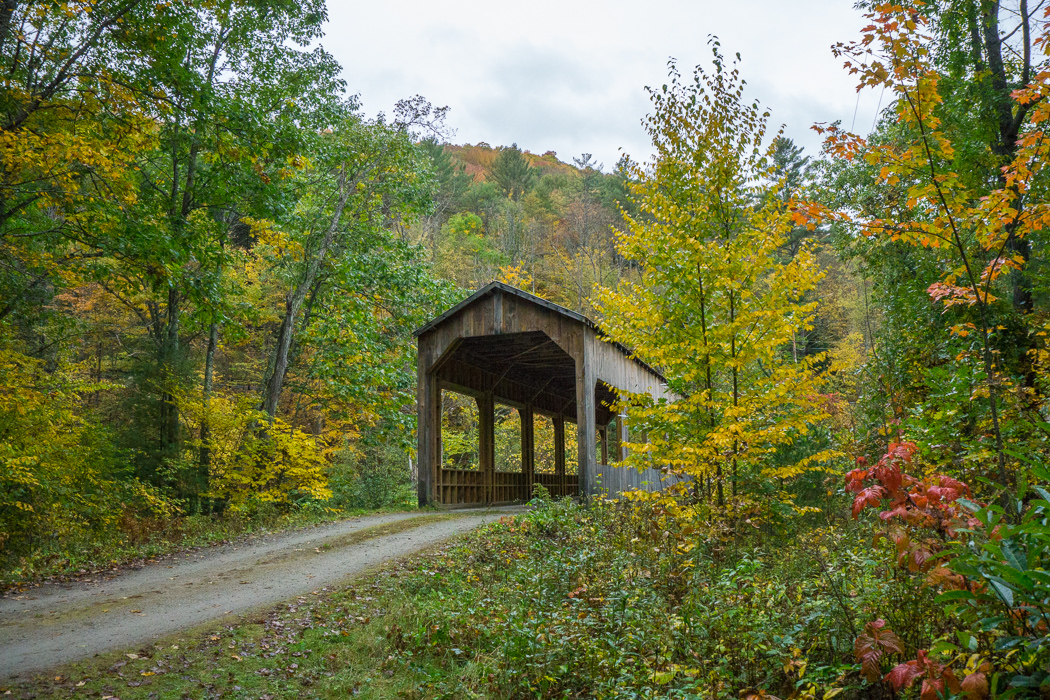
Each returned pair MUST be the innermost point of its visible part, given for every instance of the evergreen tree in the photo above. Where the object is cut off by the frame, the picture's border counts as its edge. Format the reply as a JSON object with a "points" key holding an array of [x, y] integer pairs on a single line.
{"points": [[512, 173]]}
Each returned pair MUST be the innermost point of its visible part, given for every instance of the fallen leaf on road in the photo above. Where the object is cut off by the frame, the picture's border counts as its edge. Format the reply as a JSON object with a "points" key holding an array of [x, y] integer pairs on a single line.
{"points": [[136, 611]]}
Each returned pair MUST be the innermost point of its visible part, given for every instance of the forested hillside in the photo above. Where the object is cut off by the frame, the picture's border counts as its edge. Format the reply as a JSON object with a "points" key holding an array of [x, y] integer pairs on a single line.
{"points": [[534, 221], [211, 263]]}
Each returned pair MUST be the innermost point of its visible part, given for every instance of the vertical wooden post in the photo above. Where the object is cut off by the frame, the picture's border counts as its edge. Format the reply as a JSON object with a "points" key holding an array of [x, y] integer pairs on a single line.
{"points": [[621, 437], [603, 436], [559, 454], [428, 431], [487, 444], [528, 448], [585, 427]]}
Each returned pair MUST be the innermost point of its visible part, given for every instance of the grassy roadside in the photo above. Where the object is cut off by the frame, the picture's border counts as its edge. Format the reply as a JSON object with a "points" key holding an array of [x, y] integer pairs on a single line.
{"points": [[149, 541], [565, 601], [331, 643]]}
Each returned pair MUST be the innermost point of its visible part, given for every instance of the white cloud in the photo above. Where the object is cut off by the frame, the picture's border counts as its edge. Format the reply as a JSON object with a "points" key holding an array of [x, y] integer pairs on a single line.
{"points": [[569, 75]]}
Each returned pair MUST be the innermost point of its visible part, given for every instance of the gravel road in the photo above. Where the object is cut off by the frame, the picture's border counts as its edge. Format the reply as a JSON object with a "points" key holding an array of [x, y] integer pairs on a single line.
{"points": [[57, 624]]}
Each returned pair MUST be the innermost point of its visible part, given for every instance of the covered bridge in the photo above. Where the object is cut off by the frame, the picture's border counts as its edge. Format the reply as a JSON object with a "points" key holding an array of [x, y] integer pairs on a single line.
{"points": [[515, 380]]}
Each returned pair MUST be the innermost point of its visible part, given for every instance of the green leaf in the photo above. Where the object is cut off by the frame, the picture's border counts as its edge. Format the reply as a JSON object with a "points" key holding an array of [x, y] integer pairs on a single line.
{"points": [[1003, 591], [663, 677], [949, 596], [967, 640], [944, 647], [1013, 577], [1012, 556]]}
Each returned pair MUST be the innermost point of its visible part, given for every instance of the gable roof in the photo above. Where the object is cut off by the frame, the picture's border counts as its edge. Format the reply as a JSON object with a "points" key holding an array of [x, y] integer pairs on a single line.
{"points": [[494, 286]]}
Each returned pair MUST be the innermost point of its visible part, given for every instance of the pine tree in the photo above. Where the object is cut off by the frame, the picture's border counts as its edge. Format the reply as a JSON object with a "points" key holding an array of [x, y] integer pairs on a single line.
{"points": [[512, 173]]}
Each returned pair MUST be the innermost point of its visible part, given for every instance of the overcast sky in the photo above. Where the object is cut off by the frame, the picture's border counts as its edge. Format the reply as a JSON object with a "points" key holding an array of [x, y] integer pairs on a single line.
{"points": [[570, 75]]}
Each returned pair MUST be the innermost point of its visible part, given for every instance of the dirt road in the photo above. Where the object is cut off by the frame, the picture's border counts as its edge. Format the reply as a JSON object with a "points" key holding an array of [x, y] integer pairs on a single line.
{"points": [[61, 623]]}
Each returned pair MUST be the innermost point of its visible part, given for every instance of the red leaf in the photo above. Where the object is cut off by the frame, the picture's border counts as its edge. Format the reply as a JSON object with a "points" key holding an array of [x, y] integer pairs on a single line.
{"points": [[939, 494], [917, 560], [904, 675], [871, 496], [855, 480], [975, 686], [932, 689], [901, 451], [870, 646], [890, 477], [945, 578], [952, 682], [959, 487], [898, 511]]}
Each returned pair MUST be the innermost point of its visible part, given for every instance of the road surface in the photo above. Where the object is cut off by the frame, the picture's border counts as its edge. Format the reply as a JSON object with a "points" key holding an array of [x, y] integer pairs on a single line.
{"points": [[56, 624]]}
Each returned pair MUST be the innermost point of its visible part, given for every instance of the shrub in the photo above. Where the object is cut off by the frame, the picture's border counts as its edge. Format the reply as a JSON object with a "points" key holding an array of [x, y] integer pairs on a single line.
{"points": [[371, 477], [59, 476], [254, 460]]}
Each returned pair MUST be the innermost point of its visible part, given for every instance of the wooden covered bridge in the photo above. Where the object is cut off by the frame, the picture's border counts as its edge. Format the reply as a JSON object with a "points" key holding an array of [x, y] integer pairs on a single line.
{"points": [[512, 358]]}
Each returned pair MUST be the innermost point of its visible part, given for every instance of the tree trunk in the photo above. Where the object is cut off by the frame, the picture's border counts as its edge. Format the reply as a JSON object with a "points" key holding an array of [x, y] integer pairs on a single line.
{"points": [[294, 302], [1010, 117], [204, 466], [169, 424]]}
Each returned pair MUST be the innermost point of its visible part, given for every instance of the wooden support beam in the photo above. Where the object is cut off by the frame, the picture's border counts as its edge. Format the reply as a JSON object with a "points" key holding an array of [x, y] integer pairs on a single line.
{"points": [[585, 427], [603, 437], [621, 437], [559, 453], [528, 448], [487, 444], [428, 443], [540, 390], [534, 348]]}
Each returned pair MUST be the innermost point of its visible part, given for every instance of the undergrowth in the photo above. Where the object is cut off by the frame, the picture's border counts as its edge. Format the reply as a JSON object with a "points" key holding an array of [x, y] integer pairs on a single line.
{"points": [[565, 601]]}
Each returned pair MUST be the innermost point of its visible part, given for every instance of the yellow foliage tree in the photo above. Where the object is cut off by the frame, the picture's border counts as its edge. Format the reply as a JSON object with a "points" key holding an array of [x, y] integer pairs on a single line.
{"points": [[57, 473], [251, 464], [715, 307]]}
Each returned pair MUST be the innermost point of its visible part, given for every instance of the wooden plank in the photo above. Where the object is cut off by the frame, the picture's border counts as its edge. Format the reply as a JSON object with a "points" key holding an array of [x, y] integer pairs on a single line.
{"points": [[497, 311]]}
